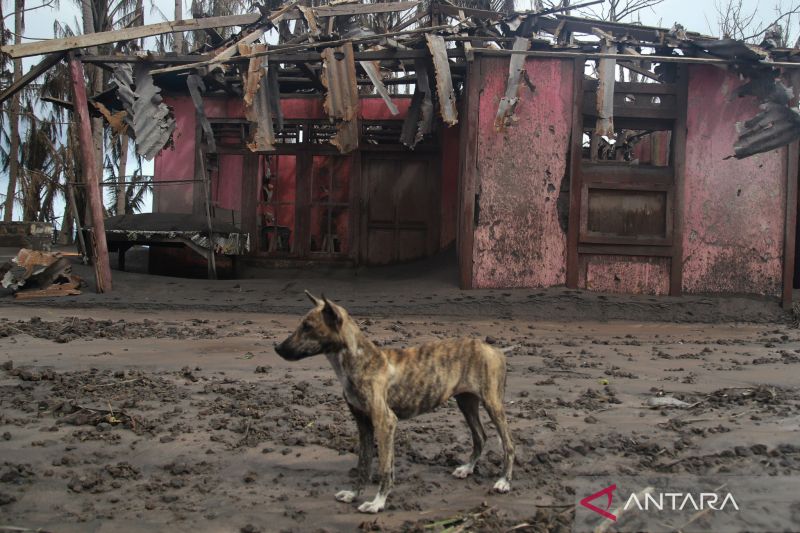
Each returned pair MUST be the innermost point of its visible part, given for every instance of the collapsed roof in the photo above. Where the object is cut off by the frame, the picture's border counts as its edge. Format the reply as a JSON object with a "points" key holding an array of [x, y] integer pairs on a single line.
{"points": [[337, 48]]}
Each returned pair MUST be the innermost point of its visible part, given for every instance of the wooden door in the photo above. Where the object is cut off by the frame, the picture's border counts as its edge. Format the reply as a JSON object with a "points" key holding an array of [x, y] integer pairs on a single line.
{"points": [[402, 207]]}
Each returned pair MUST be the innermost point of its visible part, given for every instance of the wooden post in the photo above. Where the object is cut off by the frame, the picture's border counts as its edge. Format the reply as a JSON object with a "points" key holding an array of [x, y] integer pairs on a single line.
{"points": [[80, 104], [790, 225], [73, 207], [211, 259]]}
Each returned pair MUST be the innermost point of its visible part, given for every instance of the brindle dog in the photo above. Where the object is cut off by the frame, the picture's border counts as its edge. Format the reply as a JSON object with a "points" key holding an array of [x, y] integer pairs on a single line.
{"points": [[382, 386]]}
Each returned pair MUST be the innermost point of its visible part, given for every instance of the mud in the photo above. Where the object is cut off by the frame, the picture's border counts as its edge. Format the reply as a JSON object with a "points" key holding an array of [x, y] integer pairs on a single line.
{"points": [[424, 288], [188, 421]]}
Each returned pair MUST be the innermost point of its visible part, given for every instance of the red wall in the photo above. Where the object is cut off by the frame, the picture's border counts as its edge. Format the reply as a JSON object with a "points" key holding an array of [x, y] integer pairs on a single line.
{"points": [[177, 162], [734, 209], [518, 241]]}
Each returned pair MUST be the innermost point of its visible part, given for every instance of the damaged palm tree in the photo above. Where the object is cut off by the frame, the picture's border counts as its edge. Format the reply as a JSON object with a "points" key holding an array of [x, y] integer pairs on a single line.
{"points": [[149, 118]]}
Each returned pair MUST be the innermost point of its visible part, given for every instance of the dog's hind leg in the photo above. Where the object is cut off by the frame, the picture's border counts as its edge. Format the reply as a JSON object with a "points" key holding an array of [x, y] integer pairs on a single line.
{"points": [[366, 445], [470, 407], [384, 423], [494, 406]]}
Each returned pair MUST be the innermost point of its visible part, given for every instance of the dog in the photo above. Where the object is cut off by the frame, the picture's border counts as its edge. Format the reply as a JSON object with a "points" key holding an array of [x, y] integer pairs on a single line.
{"points": [[382, 386]]}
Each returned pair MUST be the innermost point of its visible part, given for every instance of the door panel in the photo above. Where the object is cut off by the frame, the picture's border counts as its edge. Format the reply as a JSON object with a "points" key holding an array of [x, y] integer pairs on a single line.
{"points": [[402, 196]]}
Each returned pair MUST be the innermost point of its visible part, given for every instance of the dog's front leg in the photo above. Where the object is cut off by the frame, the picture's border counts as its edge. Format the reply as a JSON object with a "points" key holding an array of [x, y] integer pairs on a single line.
{"points": [[366, 445], [384, 421]]}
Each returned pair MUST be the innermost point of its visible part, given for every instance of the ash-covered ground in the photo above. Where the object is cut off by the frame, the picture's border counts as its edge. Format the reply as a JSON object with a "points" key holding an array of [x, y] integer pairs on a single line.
{"points": [[179, 420]]}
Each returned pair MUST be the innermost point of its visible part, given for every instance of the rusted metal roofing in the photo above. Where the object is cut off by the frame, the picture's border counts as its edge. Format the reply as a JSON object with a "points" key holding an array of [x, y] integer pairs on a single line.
{"points": [[339, 79], [151, 120], [730, 49], [444, 81], [341, 95]]}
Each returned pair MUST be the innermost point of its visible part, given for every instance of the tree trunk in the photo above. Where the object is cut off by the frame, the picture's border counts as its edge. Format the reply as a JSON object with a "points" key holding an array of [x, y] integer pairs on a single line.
{"points": [[13, 116], [121, 179], [96, 86], [178, 36]]}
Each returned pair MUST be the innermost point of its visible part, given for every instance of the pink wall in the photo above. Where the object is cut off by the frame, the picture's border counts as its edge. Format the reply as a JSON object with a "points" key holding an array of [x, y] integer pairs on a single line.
{"points": [[518, 241], [624, 274], [734, 209], [176, 162]]}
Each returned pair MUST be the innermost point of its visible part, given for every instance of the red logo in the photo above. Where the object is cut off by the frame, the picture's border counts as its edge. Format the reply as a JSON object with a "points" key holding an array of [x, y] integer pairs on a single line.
{"points": [[602, 512]]}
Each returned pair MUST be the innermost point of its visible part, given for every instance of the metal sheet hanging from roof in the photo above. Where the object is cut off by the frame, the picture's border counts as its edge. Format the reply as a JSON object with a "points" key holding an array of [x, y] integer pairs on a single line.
{"points": [[151, 120], [339, 79], [257, 107], [444, 83]]}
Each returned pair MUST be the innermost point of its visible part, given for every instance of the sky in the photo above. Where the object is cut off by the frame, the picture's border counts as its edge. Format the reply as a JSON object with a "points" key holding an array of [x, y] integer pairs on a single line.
{"points": [[694, 15]]}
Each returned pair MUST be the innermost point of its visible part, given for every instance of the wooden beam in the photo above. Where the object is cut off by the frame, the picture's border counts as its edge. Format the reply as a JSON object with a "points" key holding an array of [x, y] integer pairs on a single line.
{"points": [[127, 34], [678, 163], [102, 267], [643, 57], [790, 229], [575, 177], [277, 51], [606, 77], [35, 71]]}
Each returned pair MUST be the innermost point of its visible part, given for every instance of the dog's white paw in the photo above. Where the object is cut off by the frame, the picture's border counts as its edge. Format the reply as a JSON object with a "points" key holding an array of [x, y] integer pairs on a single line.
{"points": [[345, 496], [463, 471], [502, 486], [375, 506]]}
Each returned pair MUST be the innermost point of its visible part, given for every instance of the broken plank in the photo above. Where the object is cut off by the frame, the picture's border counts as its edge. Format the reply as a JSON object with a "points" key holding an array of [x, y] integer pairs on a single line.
{"points": [[256, 102], [250, 38], [311, 19], [35, 71], [605, 91], [374, 74], [224, 55], [127, 34], [444, 83], [196, 87], [363, 9], [516, 69], [50, 292]]}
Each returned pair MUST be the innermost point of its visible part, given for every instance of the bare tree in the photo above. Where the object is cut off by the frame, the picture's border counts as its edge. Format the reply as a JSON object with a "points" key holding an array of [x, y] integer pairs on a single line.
{"points": [[735, 21], [612, 10]]}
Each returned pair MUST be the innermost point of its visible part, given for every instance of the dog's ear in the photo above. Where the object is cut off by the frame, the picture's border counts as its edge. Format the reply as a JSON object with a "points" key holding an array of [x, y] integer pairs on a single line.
{"points": [[331, 315], [312, 298]]}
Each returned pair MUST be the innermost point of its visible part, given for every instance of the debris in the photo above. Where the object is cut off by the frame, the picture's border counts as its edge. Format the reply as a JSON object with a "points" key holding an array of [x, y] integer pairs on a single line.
{"points": [[516, 71], [444, 82], [419, 120], [605, 90], [667, 401], [77, 415], [341, 97], [372, 68], [196, 87], [257, 105], [149, 118], [48, 271]]}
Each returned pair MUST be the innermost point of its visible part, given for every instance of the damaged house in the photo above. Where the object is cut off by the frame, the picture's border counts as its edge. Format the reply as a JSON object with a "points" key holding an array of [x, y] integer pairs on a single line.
{"points": [[547, 149]]}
